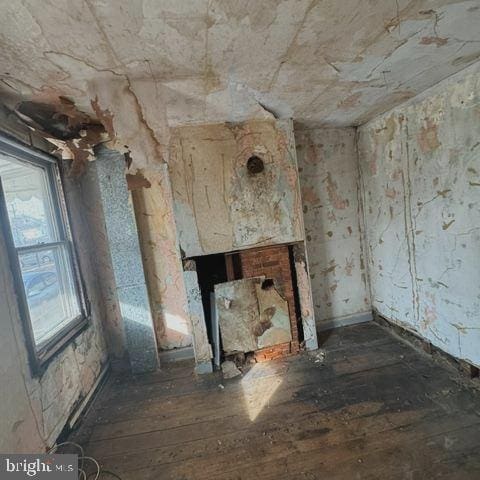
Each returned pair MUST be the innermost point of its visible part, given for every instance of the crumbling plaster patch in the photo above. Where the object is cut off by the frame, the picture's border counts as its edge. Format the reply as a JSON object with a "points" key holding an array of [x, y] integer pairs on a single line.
{"points": [[423, 243], [120, 104]]}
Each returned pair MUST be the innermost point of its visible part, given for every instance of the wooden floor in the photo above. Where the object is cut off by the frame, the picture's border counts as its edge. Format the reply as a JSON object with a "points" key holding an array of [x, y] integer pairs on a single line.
{"points": [[373, 408]]}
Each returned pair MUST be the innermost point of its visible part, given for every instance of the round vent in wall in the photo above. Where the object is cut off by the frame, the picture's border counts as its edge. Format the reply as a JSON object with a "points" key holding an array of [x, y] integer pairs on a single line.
{"points": [[255, 165]]}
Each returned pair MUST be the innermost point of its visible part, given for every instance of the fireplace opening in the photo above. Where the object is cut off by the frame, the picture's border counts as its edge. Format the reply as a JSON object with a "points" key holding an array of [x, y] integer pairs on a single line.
{"points": [[254, 312], [211, 269]]}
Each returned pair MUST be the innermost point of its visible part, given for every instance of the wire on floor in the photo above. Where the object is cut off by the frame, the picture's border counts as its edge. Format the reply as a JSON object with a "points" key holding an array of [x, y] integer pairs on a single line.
{"points": [[82, 474]]}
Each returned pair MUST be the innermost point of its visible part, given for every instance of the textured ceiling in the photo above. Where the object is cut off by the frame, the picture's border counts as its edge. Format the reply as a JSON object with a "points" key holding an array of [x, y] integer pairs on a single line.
{"points": [[328, 62]]}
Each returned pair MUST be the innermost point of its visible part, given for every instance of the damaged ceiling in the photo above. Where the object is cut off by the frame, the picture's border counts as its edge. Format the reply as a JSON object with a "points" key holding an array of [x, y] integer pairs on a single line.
{"points": [[140, 66]]}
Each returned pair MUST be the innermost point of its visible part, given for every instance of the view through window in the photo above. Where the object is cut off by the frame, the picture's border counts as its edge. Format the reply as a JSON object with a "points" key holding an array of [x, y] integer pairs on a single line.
{"points": [[39, 236]]}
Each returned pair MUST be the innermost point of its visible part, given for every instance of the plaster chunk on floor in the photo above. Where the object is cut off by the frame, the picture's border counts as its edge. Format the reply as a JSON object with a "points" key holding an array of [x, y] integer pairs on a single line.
{"points": [[230, 370]]}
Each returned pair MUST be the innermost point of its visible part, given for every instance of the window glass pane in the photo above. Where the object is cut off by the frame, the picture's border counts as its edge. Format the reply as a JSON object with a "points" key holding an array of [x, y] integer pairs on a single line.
{"points": [[28, 201], [50, 291]]}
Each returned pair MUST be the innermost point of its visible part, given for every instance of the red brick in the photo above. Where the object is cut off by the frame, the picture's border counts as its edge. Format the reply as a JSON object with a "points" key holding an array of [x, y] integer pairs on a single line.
{"points": [[271, 353]]}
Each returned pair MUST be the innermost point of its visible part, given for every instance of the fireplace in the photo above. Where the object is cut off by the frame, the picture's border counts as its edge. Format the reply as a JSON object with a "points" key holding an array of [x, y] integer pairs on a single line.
{"points": [[275, 324], [238, 217]]}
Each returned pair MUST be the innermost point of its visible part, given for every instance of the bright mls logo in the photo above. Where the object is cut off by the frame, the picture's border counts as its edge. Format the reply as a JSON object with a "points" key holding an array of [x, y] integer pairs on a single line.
{"points": [[39, 467]]}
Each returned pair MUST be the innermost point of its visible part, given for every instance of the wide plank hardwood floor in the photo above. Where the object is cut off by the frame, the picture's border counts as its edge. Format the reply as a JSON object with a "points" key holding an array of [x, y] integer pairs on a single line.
{"points": [[371, 407]]}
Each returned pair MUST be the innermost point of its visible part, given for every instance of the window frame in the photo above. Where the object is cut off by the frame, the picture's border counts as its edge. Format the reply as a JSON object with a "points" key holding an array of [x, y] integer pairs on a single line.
{"points": [[39, 358]]}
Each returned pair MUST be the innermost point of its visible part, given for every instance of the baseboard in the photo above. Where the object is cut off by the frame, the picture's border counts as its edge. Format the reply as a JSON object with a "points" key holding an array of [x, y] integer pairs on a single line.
{"points": [[344, 321], [414, 339], [176, 355], [82, 406]]}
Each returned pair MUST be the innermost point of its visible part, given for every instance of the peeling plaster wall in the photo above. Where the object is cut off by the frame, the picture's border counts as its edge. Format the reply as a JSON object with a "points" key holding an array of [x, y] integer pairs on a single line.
{"points": [[161, 260], [420, 166], [34, 410], [219, 206], [327, 163]]}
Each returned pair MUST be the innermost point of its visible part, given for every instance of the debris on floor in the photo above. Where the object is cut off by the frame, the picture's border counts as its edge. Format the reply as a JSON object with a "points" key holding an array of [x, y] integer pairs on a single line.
{"points": [[318, 356], [230, 370]]}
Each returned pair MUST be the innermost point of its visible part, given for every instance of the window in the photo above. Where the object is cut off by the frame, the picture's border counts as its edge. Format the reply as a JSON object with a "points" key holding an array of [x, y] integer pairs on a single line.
{"points": [[40, 250]]}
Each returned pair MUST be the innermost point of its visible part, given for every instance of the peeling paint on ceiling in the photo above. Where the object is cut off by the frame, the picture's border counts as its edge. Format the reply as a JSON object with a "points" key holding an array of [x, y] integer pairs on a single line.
{"points": [[159, 63], [72, 132]]}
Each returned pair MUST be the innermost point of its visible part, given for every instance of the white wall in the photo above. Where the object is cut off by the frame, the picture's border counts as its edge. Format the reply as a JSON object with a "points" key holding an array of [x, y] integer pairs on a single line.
{"points": [[328, 171], [420, 166]]}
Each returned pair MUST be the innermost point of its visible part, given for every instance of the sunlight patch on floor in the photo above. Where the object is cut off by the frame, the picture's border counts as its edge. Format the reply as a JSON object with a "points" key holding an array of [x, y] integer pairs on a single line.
{"points": [[258, 389]]}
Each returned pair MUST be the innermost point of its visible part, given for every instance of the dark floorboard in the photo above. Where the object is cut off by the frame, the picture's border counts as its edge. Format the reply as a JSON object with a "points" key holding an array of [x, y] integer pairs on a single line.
{"points": [[372, 408]]}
